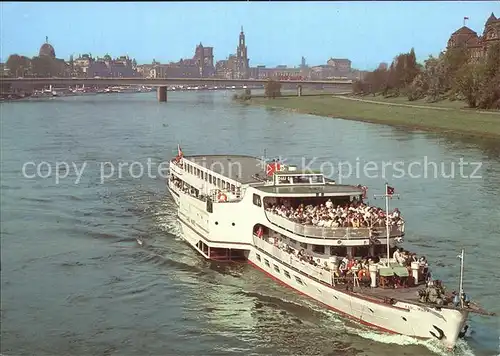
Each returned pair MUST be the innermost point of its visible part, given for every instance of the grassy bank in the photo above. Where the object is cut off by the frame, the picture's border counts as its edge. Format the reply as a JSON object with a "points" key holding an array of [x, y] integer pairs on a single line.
{"points": [[439, 117]]}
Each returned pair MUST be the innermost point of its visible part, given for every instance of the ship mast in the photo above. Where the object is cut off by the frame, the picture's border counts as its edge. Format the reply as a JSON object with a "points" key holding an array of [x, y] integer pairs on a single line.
{"points": [[389, 193], [461, 288]]}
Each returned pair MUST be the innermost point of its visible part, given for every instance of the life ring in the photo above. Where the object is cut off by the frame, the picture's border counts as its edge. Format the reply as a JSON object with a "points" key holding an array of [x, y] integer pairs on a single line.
{"points": [[222, 197]]}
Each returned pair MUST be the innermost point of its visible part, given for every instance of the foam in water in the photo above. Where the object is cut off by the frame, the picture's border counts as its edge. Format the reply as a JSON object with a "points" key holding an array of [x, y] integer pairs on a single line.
{"points": [[166, 218], [461, 348]]}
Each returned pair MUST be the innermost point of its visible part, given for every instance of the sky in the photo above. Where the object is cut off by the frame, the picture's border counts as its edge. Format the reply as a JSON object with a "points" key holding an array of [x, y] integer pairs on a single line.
{"points": [[277, 33]]}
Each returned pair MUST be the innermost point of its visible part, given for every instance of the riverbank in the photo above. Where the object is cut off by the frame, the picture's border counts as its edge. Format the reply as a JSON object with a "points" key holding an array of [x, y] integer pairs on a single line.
{"points": [[448, 117]]}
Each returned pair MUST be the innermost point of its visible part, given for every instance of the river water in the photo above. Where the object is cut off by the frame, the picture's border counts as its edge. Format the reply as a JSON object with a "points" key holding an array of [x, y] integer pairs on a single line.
{"points": [[75, 281]]}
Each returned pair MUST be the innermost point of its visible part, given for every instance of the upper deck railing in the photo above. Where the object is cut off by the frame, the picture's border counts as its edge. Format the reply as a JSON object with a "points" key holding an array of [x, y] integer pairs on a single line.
{"points": [[333, 232]]}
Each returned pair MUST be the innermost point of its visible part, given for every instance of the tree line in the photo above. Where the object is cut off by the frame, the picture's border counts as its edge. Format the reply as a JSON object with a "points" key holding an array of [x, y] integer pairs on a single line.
{"points": [[453, 75], [43, 66]]}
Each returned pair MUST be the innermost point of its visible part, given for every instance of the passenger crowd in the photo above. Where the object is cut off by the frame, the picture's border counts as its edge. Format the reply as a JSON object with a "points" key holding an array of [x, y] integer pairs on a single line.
{"points": [[183, 186], [354, 214], [348, 266]]}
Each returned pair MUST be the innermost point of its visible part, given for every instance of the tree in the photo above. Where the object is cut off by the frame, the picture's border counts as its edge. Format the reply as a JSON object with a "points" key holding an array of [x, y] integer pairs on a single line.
{"points": [[18, 65], [358, 87], [468, 82], [435, 78], [492, 68], [418, 88], [454, 59], [411, 68], [47, 67], [489, 91], [272, 88], [453, 74]]}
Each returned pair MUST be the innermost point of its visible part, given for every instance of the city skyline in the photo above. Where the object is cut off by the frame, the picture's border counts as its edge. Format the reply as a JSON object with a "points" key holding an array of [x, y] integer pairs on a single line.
{"points": [[141, 30]]}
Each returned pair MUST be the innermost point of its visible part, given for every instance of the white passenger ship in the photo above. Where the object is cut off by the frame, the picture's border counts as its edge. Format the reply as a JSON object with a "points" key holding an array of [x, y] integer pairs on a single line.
{"points": [[221, 208]]}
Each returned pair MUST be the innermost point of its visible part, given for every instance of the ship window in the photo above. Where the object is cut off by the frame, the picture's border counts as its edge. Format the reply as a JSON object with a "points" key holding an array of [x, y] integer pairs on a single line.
{"points": [[206, 176], [223, 185], [299, 281], [216, 223], [218, 182], [338, 251], [300, 179], [267, 263], [287, 274], [256, 200], [233, 188], [276, 268], [258, 256], [318, 249], [316, 179], [210, 178], [232, 224]]}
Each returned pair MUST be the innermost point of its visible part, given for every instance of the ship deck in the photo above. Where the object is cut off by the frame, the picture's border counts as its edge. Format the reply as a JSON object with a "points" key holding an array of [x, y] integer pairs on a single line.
{"points": [[408, 294], [243, 169]]}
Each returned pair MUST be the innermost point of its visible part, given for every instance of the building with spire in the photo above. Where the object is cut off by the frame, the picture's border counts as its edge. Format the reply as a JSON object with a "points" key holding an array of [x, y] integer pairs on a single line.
{"points": [[236, 66], [477, 46], [242, 61]]}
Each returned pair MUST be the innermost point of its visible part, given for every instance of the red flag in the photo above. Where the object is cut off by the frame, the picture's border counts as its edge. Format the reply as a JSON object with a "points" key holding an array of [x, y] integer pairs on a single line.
{"points": [[390, 190], [179, 151], [270, 169], [273, 167]]}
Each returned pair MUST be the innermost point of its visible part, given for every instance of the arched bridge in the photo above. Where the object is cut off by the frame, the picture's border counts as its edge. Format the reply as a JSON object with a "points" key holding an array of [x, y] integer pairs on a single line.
{"points": [[163, 83]]}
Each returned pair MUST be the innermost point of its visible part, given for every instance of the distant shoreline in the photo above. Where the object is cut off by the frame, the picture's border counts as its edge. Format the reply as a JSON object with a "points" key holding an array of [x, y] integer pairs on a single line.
{"points": [[446, 117]]}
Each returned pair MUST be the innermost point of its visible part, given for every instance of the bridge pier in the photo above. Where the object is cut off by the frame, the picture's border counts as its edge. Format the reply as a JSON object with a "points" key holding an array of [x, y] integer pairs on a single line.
{"points": [[299, 90], [161, 94]]}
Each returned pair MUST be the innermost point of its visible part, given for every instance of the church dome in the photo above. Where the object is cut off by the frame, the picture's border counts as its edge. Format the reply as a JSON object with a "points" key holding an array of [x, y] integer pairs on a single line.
{"points": [[47, 50]]}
